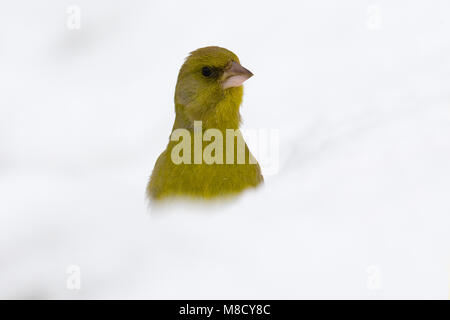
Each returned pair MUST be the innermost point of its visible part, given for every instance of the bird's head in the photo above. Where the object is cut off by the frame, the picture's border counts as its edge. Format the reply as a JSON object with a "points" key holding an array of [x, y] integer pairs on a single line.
{"points": [[209, 88]]}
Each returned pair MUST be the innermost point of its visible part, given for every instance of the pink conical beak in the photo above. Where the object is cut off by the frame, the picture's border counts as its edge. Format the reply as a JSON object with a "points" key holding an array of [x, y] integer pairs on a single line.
{"points": [[235, 75]]}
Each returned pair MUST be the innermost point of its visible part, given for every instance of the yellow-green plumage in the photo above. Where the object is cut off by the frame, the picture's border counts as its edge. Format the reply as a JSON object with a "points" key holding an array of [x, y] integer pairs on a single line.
{"points": [[210, 100]]}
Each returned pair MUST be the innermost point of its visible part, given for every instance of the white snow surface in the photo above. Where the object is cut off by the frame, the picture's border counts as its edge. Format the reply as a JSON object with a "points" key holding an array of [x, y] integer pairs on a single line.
{"points": [[363, 183]]}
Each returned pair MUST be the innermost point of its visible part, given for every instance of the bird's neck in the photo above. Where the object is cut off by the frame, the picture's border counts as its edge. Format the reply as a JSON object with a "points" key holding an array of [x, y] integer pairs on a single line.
{"points": [[223, 115]]}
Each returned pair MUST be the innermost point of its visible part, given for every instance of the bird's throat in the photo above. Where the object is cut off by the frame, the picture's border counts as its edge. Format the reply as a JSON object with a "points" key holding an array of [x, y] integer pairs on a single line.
{"points": [[222, 115]]}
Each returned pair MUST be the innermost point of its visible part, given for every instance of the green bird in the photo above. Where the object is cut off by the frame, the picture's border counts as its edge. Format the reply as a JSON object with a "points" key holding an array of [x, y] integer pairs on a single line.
{"points": [[208, 95]]}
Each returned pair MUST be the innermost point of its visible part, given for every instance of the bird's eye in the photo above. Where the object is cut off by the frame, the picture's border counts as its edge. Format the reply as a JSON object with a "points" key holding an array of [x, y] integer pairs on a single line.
{"points": [[206, 71]]}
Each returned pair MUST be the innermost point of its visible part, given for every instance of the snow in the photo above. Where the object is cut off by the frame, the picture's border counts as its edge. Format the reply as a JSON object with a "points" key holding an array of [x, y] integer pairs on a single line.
{"points": [[361, 193]]}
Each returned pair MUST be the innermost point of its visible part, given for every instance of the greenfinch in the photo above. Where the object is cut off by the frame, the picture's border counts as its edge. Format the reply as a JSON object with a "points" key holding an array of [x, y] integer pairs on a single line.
{"points": [[208, 95]]}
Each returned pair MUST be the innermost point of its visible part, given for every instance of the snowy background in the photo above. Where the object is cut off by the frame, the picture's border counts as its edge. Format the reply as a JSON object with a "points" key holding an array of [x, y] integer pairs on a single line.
{"points": [[358, 208]]}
